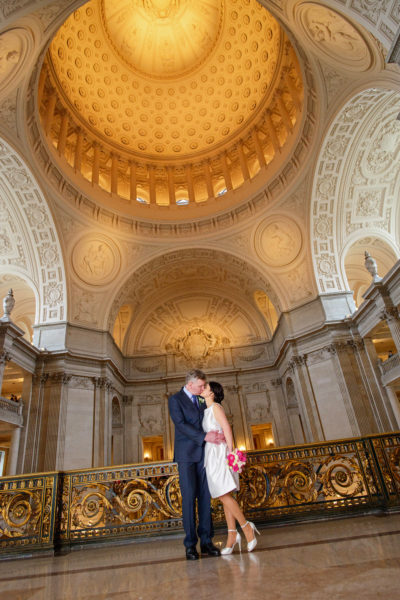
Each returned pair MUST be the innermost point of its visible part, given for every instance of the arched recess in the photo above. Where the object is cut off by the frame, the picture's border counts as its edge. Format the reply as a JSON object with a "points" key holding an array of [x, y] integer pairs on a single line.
{"points": [[29, 243], [26, 300], [357, 182], [188, 289], [353, 257]]}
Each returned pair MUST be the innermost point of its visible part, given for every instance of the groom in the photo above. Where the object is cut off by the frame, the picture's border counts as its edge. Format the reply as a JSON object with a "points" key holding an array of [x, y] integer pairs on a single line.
{"points": [[187, 414]]}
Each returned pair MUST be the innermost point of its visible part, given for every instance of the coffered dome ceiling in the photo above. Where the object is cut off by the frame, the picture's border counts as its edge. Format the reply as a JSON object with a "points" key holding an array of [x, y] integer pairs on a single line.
{"points": [[170, 103]]}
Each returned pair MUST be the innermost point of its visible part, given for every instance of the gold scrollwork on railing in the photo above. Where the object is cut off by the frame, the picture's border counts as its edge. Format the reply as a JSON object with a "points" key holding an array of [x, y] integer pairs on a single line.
{"points": [[61, 509], [27, 510], [135, 501], [21, 513], [387, 450], [340, 477]]}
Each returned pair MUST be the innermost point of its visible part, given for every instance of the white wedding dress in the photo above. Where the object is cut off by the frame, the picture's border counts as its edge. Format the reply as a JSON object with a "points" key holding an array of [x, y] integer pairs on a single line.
{"points": [[220, 478]]}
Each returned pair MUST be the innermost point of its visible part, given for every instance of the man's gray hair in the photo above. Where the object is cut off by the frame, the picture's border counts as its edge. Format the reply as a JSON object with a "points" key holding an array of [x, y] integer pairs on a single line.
{"points": [[195, 374]]}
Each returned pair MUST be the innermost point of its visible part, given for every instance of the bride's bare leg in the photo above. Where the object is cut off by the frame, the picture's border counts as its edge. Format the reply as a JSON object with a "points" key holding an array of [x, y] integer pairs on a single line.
{"points": [[233, 512], [231, 523]]}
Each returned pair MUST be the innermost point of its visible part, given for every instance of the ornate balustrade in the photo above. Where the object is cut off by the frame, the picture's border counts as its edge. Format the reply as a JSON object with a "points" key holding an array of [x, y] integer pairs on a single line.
{"points": [[10, 411], [58, 510], [390, 368]]}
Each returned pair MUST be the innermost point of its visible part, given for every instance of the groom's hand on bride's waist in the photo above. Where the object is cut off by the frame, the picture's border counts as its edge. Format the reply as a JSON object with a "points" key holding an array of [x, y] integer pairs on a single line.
{"points": [[215, 437]]}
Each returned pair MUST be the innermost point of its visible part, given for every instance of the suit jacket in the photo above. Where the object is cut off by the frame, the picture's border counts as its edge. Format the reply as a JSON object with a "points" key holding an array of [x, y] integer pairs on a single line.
{"points": [[189, 434]]}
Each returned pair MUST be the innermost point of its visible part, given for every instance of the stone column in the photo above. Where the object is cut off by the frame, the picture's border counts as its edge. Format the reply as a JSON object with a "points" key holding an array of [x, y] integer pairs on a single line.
{"points": [[234, 394], [394, 402], [312, 423], [242, 429], [54, 425], [101, 422], [243, 161], [168, 442], [33, 457], [279, 412], [14, 449], [359, 412], [378, 395], [127, 421], [391, 315], [26, 419], [5, 357]]}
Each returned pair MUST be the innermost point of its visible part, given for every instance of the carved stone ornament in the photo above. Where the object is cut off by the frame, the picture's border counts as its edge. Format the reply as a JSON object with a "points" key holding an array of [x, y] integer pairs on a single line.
{"points": [[147, 365], [371, 266], [96, 259], [15, 46], [249, 354], [278, 241], [8, 305], [196, 346], [5, 357], [151, 418], [333, 37]]}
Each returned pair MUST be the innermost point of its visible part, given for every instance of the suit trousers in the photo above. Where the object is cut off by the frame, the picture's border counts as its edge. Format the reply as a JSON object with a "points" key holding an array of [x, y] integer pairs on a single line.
{"points": [[193, 484]]}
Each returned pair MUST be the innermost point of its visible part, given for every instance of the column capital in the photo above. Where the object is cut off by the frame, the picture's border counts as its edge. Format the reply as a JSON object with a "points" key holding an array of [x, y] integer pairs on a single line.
{"points": [[297, 361], [102, 382], [5, 357], [276, 383], [390, 313], [61, 377]]}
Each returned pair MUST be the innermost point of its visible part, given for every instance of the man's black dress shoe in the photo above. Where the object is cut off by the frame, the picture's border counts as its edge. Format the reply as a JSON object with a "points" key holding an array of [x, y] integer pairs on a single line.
{"points": [[191, 553], [210, 549]]}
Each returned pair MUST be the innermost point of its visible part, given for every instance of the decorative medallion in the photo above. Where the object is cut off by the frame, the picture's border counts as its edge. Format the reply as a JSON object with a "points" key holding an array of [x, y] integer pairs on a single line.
{"points": [[333, 37], [14, 48], [96, 259], [278, 241]]}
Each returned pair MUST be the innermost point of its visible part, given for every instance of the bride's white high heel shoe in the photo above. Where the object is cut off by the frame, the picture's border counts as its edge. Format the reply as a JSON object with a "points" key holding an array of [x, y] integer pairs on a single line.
{"points": [[251, 545], [229, 549]]}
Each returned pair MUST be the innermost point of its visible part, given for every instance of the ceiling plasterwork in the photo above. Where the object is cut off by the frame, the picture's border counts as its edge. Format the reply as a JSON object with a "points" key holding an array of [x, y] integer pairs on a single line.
{"points": [[333, 37], [145, 34], [152, 116], [170, 104], [358, 179], [202, 272]]}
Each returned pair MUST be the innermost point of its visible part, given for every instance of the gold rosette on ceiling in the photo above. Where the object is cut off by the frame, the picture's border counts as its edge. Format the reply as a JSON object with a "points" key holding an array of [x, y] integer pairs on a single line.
{"points": [[170, 103]]}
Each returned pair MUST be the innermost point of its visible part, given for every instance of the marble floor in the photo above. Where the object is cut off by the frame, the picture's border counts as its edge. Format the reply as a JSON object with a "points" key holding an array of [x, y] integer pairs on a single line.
{"points": [[355, 558]]}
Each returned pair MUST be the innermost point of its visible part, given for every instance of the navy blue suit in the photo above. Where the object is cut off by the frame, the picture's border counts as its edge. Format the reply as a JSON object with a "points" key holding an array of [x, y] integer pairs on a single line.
{"points": [[189, 454]]}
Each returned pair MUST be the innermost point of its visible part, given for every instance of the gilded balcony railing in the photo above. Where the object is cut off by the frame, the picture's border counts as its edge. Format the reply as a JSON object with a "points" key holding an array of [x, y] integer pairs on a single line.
{"points": [[58, 510], [27, 512]]}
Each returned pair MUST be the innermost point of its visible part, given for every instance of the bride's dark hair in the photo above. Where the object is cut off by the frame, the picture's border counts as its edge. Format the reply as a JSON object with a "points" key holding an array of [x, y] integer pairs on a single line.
{"points": [[217, 390]]}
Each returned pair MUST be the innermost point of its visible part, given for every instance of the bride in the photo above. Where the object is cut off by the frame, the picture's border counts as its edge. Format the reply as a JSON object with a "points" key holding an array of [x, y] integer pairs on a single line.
{"points": [[220, 478]]}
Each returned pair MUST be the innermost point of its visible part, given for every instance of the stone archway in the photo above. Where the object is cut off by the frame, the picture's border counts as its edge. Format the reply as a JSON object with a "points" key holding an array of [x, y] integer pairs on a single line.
{"points": [[29, 242], [357, 182]]}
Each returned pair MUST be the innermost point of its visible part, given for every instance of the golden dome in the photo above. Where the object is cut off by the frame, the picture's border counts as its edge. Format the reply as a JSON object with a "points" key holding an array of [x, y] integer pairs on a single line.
{"points": [[170, 101]]}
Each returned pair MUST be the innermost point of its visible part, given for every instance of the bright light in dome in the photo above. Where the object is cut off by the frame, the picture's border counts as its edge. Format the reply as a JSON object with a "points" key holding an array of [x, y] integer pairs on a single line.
{"points": [[222, 192], [141, 200], [182, 201]]}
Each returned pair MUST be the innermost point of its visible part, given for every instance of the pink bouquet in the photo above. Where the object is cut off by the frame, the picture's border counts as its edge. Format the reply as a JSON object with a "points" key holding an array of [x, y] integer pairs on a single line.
{"points": [[236, 460]]}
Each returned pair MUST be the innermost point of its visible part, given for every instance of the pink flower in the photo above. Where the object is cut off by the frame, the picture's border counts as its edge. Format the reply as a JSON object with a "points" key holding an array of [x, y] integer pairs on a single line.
{"points": [[235, 468]]}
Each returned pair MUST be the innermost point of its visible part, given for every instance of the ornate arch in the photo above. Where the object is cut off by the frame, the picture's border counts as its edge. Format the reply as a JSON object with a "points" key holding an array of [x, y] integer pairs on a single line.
{"points": [[356, 181], [29, 244]]}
